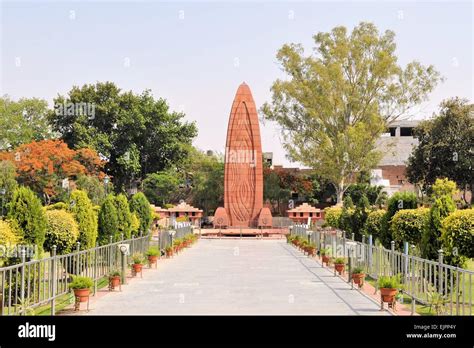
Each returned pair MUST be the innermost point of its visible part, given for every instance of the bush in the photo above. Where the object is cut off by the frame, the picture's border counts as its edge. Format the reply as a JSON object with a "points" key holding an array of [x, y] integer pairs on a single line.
{"points": [[124, 216], [79, 282], [57, 206], [332, 216], [457, 236], [26, 211], [135, 224], [374, 223], [407, 225], [430, 242], [140, 205], [83, 211], [9, 235], [62, 231], [398, 201], [108, 220], [7, 182]]}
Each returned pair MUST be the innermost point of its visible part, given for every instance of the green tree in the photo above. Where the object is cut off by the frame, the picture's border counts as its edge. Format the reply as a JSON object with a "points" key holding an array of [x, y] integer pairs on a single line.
{"points": [[23, 121], [108, 221], [26, 210], [445, 147], [8, 184], [273, 190], [83, 211], [124, 216], [140, 205], [161, 188], [457, 237], [337, 102], [137, 133]]}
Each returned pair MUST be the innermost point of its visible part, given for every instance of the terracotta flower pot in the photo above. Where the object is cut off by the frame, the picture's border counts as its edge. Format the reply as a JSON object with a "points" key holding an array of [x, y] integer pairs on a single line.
{"points": [[169, 253], [339, 267], [82, 294], [137, 267], [114, 281], [326, 259], [152, 259], [310, 251], [358, 278], [388, 294]]}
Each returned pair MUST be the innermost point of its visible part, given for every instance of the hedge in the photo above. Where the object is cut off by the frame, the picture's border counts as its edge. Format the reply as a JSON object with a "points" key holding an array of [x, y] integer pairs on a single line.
{"points": [[374, 223], [332, 216], [407, 225], [458, 232], [57, 206], [62, 231]]}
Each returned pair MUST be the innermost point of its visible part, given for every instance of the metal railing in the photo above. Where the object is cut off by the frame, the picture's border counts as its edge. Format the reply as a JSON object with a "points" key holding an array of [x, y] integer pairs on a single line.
{"points": [[31, 284], [167, 236], [428, 282]]}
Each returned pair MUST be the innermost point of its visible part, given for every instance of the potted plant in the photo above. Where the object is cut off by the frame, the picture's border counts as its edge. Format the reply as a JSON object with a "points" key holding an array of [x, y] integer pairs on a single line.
{"points": [[137, 262], [310, 249], [388, 288], [289, 238], [324, 252], [81, 287], [114, 279], [358, 276], [177, 245], [152, 254], [169, 251], [340, 264]]}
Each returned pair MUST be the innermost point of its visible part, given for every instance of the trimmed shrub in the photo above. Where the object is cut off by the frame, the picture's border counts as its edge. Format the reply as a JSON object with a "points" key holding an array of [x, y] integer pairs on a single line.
{"points": [[430, 242], [108, 220], [398, 201], [26, 210], [83, 211], [457, 236], [140, 205], [57, 206], [407, 225], [9, 235], [62, 231], [135, 225], [332, 216], [124, 216], [7, 182], [374, 223]]}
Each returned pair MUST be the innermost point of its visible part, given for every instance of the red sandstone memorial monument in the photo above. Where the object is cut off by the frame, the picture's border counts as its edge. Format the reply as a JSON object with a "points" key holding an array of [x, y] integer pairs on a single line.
{"points": [[243, 171]]}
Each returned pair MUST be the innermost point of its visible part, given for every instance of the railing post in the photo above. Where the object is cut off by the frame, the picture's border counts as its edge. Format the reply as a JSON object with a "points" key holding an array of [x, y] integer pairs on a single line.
{"points": [[392, 257], [22, 288], [343, 243], [363, 239], [95, 266], [369, 256], [405, 262], [54, 280], [124, 261], [440, 271], [78, 248], [353, 236]]}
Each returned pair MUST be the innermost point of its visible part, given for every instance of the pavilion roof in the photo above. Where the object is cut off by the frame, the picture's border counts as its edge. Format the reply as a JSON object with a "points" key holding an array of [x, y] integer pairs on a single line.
{"points": [[184, 208], [304, 208]]}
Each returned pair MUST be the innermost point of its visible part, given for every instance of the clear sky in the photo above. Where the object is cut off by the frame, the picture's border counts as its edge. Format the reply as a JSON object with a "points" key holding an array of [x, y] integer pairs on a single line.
{"points": [[195, 54]]}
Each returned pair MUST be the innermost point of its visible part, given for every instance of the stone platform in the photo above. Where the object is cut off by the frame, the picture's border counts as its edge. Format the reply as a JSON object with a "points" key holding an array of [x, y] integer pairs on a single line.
{"points": [[236, 232]]}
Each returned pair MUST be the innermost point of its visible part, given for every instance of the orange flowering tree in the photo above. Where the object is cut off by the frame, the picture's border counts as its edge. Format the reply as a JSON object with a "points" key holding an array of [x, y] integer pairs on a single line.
{"points": [[43, 165]]}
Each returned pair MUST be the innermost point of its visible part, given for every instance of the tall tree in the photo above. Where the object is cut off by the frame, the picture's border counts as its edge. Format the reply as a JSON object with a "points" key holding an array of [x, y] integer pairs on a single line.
{"points": [[445, 147], [337, 102], [135, 132], [8, 183], [23, 121]]}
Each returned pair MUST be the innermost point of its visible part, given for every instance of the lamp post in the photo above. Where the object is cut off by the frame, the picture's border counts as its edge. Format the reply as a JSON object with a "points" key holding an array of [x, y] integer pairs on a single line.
{"points": [[106, 183], [3, 192]]}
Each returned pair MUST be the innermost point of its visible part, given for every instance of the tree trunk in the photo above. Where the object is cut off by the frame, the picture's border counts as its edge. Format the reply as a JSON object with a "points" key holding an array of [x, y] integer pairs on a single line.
{"points": [[339, 193]]}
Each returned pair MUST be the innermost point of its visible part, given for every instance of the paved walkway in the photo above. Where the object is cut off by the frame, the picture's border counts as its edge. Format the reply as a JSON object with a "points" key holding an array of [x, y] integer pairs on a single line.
{"points": [[232, 276]]}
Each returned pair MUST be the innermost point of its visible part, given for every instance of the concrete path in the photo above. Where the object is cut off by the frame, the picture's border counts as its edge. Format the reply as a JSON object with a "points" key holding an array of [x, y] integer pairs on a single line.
{"points": [[232, 276]]}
